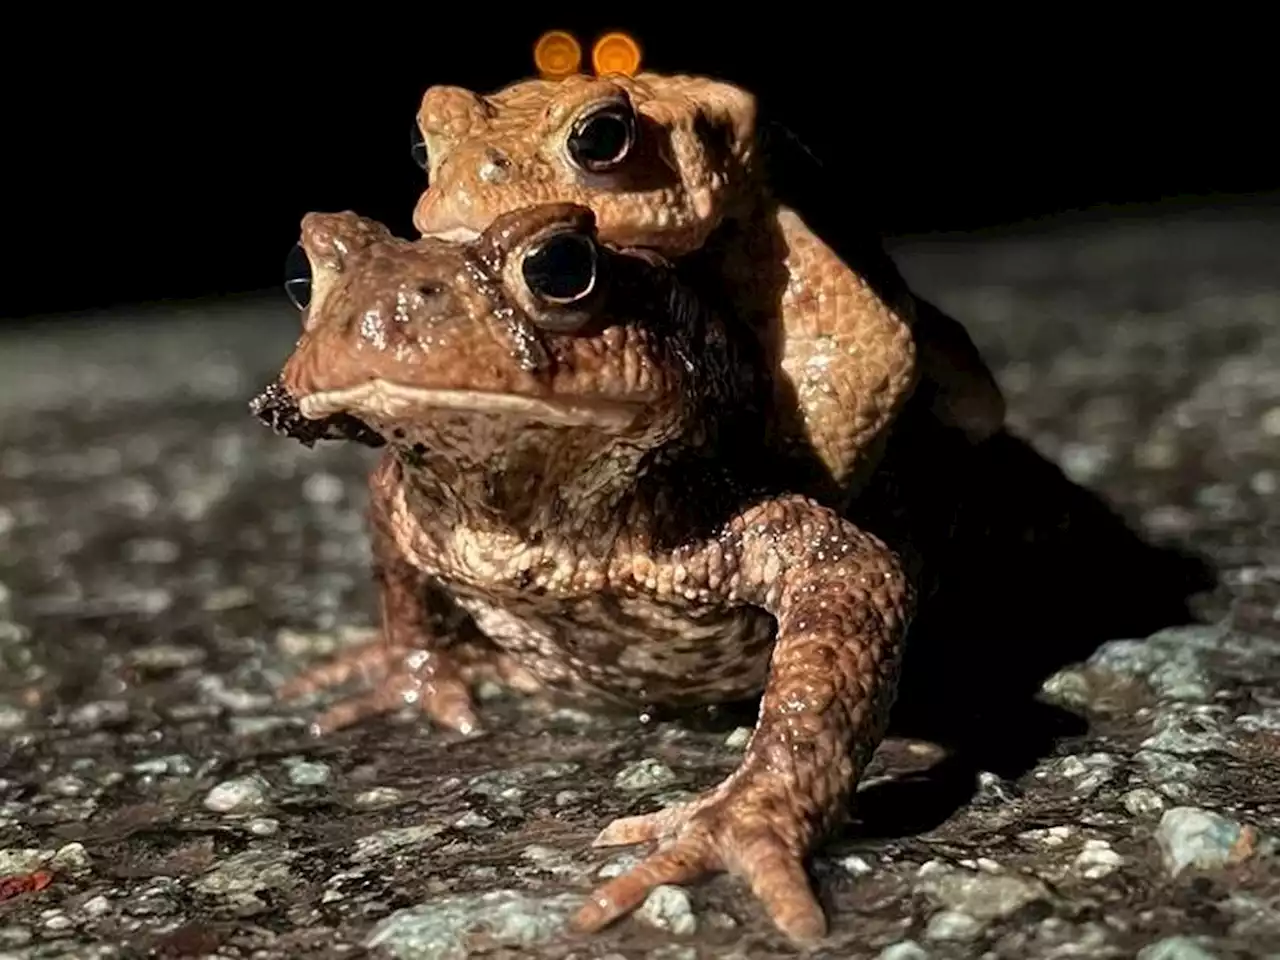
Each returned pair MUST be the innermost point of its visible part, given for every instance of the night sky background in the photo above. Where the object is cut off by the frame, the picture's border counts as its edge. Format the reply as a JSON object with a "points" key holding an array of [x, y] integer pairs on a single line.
{"points": [[173, 157]]}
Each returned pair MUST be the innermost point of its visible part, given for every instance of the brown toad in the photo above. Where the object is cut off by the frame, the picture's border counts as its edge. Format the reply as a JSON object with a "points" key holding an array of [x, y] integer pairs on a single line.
{"points": [[679, 164], [572, 458]]}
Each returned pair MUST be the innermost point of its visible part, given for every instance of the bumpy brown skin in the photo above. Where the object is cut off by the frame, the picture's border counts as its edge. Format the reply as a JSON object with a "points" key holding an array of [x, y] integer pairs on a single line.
{"points": [[694, 185], [582, 481]]}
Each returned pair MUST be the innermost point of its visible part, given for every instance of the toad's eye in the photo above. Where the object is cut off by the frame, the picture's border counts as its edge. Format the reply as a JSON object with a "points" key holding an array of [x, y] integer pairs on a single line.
{"points": [[297, 277], [561, 269], [602, 139], [418, 146]]}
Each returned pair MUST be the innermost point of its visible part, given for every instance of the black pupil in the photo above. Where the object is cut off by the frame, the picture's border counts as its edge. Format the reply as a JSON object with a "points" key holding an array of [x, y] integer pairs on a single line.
{"points": [[418, 146], [297, 277], [602, 138], [563, 268]]}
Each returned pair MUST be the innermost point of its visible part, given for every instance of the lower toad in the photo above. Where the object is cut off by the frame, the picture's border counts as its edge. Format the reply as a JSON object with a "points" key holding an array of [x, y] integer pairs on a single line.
{"points": [[571, 459]]}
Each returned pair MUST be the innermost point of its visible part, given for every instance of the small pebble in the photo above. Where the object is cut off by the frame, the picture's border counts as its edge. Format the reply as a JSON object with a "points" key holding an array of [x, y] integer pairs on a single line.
{"points": [[739, 738], [164, 656], [903, 950], [256, 726], [1192, 837], [96, 906], [307, 773], [1143, 802], [618, 866], [12, 718], [237, 796], [228, 598], [379, 797], [14, 936], [953, 925], [100, 713], [1049, 836], [264, 826], [1175, 948], [67, 785], [1270, 422], [1090, 772], [643, 774], [668, 908], [856, 865], [72, 858], [58, 921], [1097, 860], [175, 765], [472, 819]]}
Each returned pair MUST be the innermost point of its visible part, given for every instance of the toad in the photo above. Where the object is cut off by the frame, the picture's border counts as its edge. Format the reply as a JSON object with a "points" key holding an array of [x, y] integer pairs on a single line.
{"points": [[570, 458], [680, 164]]}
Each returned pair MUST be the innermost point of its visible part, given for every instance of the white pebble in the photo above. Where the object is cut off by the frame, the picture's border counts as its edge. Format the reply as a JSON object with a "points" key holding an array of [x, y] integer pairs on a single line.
{"points": [[307, 773], [953, 925], [379, 797], [856, 865], [236, 796], [1097, 860], [643, 774], [668, 908], [738, 739], [903, 950]]}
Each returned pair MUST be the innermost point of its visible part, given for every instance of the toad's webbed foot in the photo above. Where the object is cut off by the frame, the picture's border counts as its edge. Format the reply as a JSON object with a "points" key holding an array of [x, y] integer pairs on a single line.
{"points": [[399, 677], [746, 826]]}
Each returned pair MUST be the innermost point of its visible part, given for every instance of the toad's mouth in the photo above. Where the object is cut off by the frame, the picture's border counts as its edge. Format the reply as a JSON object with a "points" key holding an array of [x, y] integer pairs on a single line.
{"points": [[385, 399], [455, 235]]}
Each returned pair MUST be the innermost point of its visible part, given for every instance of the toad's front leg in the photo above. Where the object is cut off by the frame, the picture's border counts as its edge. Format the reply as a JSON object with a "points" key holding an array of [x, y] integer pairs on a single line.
{"points": [[843, 604], [408, 664]]}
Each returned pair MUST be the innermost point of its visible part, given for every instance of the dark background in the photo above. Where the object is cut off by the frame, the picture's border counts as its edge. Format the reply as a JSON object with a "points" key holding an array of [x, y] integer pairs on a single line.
{"points": [[173, 156]]}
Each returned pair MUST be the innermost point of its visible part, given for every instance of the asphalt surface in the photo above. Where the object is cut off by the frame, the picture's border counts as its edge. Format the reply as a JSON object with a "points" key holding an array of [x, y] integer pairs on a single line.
{"points": [[166, 562]]}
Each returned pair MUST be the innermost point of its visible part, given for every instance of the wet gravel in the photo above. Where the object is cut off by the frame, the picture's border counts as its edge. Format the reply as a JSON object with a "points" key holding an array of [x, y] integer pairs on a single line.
{"points": [[165, 562]]}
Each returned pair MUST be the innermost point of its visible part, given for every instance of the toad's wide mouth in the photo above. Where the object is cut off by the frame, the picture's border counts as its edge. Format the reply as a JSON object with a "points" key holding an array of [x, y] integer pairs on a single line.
{"points": [[385, 399], [454, 235]]}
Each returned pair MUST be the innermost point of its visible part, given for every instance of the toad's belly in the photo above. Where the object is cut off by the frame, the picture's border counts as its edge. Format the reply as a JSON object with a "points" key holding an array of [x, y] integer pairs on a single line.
{"points": [[631, 651]]}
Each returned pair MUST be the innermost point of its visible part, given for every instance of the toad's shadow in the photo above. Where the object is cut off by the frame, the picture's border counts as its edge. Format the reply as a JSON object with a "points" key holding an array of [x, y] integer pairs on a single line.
{"points": [[1040, 573]]}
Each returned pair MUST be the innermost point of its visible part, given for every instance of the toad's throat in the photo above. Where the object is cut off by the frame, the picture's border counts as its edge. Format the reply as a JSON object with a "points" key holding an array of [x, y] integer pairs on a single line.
{"points": [[385, 399]]}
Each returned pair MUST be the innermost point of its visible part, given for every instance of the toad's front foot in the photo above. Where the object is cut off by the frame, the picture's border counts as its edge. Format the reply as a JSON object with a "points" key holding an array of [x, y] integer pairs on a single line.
{"points": [[400, 677], [744, 827]]}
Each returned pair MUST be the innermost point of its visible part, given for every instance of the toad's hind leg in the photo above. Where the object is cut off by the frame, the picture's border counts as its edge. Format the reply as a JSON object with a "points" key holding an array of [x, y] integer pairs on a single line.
{"points": [[410, 663], [849, 356]]}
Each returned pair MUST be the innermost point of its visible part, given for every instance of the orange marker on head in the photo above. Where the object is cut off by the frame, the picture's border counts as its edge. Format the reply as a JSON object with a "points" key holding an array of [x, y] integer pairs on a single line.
{"points": [[557, 54], [616, 52]]}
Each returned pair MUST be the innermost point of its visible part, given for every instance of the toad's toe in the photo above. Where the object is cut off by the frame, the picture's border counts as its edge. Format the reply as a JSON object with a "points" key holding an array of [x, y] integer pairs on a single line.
{"points": [[400, 678], [710, 835]]}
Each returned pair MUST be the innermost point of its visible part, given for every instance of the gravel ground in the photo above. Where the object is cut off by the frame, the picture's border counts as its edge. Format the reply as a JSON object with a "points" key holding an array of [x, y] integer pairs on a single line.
{"points": [[165, 562]]}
